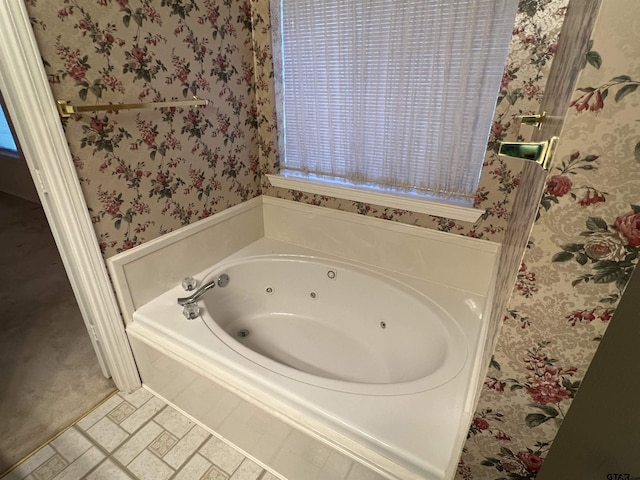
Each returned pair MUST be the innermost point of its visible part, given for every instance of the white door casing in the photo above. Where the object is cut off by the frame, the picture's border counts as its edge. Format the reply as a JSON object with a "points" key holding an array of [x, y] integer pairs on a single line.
{"points": [[32, 109]]}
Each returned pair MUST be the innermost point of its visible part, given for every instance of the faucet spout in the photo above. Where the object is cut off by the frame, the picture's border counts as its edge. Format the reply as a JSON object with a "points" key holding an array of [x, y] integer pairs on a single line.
{"points": [[222, 281], [195, 296]]}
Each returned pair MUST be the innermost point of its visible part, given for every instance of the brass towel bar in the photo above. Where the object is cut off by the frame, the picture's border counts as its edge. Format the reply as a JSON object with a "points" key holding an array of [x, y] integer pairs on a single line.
{"points": [[66, 110]]}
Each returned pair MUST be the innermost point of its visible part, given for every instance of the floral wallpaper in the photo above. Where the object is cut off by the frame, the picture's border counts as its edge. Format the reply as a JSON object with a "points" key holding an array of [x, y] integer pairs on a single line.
{"points": [[533, 45], [581, 253], [147, 172]]}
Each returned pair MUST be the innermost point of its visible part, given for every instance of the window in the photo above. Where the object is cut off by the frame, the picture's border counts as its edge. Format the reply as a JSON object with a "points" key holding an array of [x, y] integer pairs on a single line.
{"points": [[394, 97], [6, 137]]}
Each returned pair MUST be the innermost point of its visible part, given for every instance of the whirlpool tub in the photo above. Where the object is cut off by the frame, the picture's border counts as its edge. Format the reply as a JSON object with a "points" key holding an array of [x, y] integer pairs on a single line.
{"points": [[333, 325], [377, 364]]}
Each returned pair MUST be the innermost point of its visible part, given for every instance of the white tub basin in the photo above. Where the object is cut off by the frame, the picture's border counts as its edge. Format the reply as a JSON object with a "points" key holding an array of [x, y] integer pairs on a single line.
{"points": [[334, 325]]}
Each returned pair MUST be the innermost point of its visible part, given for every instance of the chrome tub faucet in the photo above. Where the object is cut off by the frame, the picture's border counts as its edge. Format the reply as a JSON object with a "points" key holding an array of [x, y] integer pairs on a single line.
{"points": [[191, 310], [222, 281]]}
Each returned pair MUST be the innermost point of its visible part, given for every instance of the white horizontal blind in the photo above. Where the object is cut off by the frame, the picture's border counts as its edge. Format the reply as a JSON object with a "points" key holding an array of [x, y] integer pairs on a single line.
{"points": [[395, 93]]}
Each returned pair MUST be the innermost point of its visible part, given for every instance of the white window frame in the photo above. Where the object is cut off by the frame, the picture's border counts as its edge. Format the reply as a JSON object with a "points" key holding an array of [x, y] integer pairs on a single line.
{"points": [[457, 210]]}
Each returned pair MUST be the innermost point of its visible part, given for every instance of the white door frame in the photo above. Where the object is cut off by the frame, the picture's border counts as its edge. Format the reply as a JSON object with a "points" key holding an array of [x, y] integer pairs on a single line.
{"points": [[32, 109]]}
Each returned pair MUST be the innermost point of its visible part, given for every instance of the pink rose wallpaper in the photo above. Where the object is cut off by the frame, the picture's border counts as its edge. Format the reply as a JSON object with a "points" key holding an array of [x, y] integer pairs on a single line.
{"points": [[582, 250], [628, 226]]}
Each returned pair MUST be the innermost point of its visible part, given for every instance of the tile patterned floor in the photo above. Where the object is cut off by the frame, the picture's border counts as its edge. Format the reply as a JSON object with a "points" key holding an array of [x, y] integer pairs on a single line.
{"points": [[137, 436]]}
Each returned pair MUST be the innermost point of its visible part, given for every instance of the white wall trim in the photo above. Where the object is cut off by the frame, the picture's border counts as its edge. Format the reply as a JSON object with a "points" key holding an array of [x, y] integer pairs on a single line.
{"points": [[31, 107], [438, 208]]}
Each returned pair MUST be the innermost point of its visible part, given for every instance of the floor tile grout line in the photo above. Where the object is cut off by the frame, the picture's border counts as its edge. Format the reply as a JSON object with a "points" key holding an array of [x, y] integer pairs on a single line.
{"points": [[175, 470], [48, 442], [119, 466], [147, 422], [34, 471], [71, 462], [215, 434], [141, 427], [129, 435], [194, 453], [240, 464], [94, 442], [111, 455], [152, 419], [92, 469], [164, 463], [123, 401], [235, 469], [108, 455]]}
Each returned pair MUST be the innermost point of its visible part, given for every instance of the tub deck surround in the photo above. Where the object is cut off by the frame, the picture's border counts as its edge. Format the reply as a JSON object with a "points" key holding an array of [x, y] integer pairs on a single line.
{"points": [[395, 433], [142, 273], [413, 436]]}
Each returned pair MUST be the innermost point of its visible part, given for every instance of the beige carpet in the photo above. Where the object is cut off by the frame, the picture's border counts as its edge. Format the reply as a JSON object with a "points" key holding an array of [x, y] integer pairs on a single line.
{"points": [[49, 375]]}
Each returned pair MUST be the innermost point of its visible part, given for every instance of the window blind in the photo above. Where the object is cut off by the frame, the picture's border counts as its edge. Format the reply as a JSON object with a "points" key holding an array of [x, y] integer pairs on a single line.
{"points": [[393, 93]]}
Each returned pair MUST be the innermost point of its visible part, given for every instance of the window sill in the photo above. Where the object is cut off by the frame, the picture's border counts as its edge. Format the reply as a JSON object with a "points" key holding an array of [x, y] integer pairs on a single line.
{"points": [[439, 208]]}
